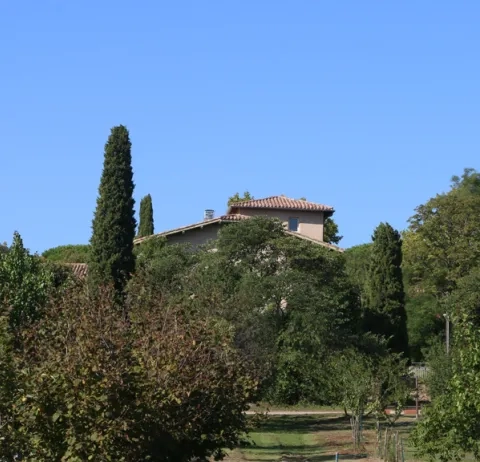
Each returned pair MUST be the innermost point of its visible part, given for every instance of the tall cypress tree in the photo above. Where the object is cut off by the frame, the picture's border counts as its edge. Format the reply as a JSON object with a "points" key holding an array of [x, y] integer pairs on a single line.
{"points": [[146, 227], [112, 259], [386, 313]]}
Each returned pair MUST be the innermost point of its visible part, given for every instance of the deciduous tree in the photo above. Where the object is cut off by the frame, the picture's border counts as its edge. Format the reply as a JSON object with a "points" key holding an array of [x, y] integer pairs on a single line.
{"points": [[237, 198], [450, 427], [24, 285], [443, 242]]}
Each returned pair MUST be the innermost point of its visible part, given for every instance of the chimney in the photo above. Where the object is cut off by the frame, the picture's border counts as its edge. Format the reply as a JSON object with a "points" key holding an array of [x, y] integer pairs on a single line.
{"points": [[209, 214]]}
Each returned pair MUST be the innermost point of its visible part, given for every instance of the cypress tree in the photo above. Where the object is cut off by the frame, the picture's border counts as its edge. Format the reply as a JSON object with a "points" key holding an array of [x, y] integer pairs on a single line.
{"points": [[386, 313], [113, 229], [146, 227]]}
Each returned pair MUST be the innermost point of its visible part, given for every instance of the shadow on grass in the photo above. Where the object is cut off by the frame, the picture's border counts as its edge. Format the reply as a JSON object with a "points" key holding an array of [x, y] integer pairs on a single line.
{"points": [[302, 424]]}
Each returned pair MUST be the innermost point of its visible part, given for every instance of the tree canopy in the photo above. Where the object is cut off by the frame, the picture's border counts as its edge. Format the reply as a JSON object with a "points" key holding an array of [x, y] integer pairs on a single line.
{"points": [[237, 198], [68, 254], [113, 229], [385, 314]]}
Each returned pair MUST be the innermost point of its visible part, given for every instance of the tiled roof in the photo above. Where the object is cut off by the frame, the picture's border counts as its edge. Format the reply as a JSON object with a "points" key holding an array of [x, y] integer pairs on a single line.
{"points": [[79, 270], [315, 241], [200, 224], [281, 202], [234, 217]]}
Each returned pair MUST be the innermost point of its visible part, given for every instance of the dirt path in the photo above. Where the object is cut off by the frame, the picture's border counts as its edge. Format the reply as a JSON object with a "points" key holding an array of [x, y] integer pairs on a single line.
{"points": [[279, 412]]}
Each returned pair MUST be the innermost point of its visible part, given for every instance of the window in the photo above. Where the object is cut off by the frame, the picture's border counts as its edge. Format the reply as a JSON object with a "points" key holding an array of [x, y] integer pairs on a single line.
{"points": [[293, 224]]}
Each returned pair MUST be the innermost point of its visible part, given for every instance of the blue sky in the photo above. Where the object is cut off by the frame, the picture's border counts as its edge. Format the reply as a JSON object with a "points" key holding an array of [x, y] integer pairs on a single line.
{"points": [[364, 105]]}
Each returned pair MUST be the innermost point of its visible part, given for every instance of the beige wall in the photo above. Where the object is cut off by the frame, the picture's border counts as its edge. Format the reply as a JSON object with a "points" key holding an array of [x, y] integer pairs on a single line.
{"points": [[310, 223], [195, 237]]}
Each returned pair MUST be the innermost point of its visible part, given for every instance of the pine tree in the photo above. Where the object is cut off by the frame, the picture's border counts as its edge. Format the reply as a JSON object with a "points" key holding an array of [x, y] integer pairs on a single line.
{"points": [[146, 227], [386, 313], [112, 259]]}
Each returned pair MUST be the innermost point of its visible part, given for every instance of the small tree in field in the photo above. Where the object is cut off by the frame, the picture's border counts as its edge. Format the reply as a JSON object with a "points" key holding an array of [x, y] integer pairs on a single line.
{"points": [[111, 257], [367, 384], [146, 227]]}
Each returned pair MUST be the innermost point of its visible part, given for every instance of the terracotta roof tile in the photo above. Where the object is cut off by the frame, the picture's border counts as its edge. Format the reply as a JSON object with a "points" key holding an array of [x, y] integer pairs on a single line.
{"points": [[234, 217], [281, 202], [79, 270]]}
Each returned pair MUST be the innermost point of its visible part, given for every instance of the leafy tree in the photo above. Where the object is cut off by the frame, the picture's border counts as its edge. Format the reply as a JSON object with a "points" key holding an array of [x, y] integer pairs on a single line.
{"points": [[450, 427], [3, 248], [68, 254], [367, 384], [163, 386], [146, 227], [8, 386], [320, 318], [237, 198], [24, 285], [357, 263], [288, 300], [164, 267], [439, 367], [112, 259], [443, 241], [386, 298], [330, 231], [424, 322]]}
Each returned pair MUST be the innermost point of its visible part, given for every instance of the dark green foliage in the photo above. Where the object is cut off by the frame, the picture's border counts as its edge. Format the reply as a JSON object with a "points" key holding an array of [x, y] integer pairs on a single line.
{"points": [[161, 386], [357, 263], [443, 240], [146, 227], [291, 302], [237, 198], [163, 267], [24, 285], [385, 314], [68, 254], [440, 367], [450, 427], [330, 231], [3, 248], [112, 259], [424, 322]]}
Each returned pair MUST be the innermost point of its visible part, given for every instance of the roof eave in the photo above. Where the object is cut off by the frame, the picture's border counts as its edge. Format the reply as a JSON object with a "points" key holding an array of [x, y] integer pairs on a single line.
{"points": [[234, 209]]}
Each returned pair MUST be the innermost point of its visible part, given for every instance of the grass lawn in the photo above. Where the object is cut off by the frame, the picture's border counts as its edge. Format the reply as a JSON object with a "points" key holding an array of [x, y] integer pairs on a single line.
{"points": [[313, 438]]}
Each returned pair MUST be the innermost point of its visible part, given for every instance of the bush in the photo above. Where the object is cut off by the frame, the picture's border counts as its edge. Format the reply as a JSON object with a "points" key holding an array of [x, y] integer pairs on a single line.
{"points": [[146, 382]]}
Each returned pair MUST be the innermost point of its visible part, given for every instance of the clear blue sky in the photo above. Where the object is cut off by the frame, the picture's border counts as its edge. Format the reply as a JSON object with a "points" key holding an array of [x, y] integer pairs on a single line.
{"points": [[368, 106]]}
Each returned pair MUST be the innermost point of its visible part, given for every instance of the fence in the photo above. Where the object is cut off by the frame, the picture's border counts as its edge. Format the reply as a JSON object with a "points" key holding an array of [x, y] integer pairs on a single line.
{"points": [[419, 370], [390, 446]]}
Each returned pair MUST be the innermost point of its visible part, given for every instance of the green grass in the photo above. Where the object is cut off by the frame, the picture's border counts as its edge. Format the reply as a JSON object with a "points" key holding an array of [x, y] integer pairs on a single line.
{"points": [[299, 438], [315, 438]]}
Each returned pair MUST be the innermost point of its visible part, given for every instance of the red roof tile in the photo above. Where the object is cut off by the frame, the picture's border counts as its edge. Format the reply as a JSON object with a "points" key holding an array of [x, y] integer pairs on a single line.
{"points": [[233, 217], [79, 270], [280, 202]]}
